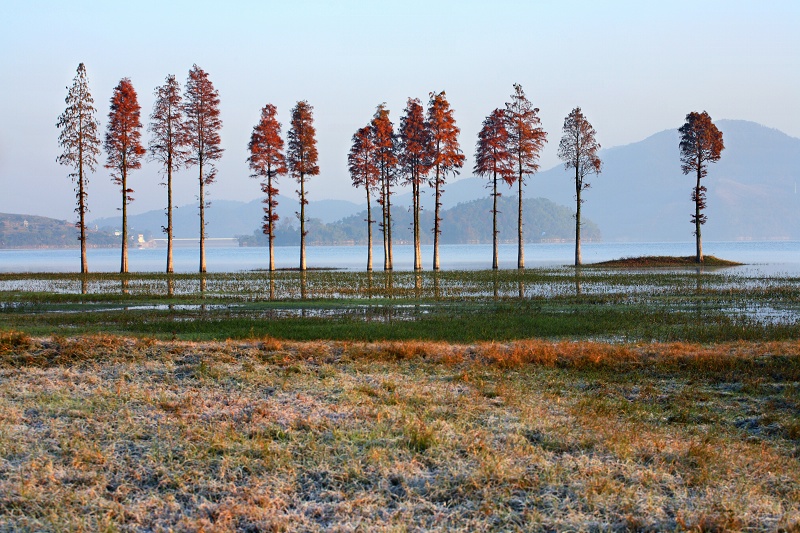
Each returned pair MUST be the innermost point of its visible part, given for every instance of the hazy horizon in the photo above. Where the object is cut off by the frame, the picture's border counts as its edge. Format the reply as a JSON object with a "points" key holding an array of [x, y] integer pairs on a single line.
{"points": [[636, 75]]}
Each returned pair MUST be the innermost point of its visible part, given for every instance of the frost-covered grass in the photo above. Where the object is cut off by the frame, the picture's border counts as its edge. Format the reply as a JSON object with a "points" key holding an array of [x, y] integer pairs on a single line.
{"points": [[109, 433]]}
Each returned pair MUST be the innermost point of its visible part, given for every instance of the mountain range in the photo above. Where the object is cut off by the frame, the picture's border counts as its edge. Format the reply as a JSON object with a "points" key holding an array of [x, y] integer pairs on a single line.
{"points": [[641, 194]]}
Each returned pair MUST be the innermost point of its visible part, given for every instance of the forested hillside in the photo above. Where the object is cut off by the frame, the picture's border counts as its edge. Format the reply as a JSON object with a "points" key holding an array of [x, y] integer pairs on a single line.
{"points": [[28, 231], [466, 223]]}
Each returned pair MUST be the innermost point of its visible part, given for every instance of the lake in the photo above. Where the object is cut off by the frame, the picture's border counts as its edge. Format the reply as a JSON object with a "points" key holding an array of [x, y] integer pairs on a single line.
{"points": [[769, 258]]}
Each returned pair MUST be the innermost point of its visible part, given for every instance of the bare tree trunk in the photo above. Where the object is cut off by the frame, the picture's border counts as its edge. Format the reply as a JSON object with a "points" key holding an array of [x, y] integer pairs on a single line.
{"points": [[384, 227], [520, 239], [82, 213], [495, 265], [578, 186], [697, 221], [170, 267], [369, 231], [302, 222], [271, 232], [436, 223], [416, 201], [202, 221], [123, 268], [389, 222]]}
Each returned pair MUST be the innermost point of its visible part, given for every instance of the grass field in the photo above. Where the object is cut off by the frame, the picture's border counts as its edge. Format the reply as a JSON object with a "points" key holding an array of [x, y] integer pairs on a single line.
{"points": [[105, 433], [461, 401]]}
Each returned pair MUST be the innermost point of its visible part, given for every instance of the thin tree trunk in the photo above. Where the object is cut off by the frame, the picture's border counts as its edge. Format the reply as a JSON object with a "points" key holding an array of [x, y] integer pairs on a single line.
{"points": [[389, 221], [436, 224], [697, 222], [495, 265], [271, 233], [202, 221], [170, 268], [520, 239], [123, 268], [302, 222], [416, 201], [578, 185], [82, 213], [384, 227], [369, 231]]}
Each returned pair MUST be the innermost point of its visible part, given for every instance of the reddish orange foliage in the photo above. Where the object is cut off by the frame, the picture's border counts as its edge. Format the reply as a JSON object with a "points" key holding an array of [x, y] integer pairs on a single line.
{"points": [[123, 145], [415, 161], [526, 140], [446, 156], [492, 158], [386, 161], [701, 144], [361, 162], [168, 142], [268, 162], [201, 109], [302, 159], [124, 149]]}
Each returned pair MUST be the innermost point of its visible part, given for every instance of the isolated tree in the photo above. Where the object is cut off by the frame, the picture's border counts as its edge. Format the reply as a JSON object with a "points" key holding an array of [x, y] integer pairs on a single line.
{"points": [[385, 157], [124, 149], [701, 144], [267, 162], [446, 157], [414, 159], [578, 149], [526, 139], [81, 146], [365, 173], [168, 144], [493, 159], [302, 160], [201, 113]]}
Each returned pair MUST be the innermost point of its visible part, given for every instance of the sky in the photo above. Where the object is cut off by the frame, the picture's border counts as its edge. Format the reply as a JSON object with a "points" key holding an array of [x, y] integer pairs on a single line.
{"points": [[635, 68]]}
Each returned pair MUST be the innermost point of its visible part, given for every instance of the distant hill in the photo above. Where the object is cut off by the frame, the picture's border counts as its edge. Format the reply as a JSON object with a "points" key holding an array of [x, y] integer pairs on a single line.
{"points": [[29, 231], [228, 218], [466, 223], [640, 196], [643, 196]]}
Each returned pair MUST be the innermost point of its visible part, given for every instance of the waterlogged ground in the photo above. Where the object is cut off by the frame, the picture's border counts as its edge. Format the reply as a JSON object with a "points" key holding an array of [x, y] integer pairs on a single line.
{"points": [[119, 434], [611, 305]]}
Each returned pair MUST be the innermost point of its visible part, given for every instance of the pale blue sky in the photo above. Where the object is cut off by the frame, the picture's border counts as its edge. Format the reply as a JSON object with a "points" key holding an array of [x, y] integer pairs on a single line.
{"points": [[634, 67]]}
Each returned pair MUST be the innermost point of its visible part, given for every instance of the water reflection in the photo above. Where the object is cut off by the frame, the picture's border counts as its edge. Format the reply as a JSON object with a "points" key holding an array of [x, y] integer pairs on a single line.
{"points": [[578, 282]]}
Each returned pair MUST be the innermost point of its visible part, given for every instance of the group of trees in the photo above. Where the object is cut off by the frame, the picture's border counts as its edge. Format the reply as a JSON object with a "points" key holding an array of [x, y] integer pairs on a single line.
{"points": [[185, 133], [508, 149], [426, 147], [425, 150]]}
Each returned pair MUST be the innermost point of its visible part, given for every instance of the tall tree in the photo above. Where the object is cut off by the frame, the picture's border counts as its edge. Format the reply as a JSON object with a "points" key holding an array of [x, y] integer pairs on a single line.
{"points": [[385, 157], [81, 146], [415, 161], [578, 149], [267, 162], [492, 158], [701, 144], [124, 149], [302, 159], [446, 156], [526, 140], [168, 144], [201, 112], [361, 162]]}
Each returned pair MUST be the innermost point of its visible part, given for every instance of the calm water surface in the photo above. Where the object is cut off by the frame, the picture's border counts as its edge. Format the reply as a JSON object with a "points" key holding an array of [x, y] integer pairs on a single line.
{"points": [[768, 258]]}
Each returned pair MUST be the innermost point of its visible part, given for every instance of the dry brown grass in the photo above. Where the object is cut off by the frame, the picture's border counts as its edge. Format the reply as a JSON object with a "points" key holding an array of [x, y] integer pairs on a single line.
{"points": [[107, 434]]}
